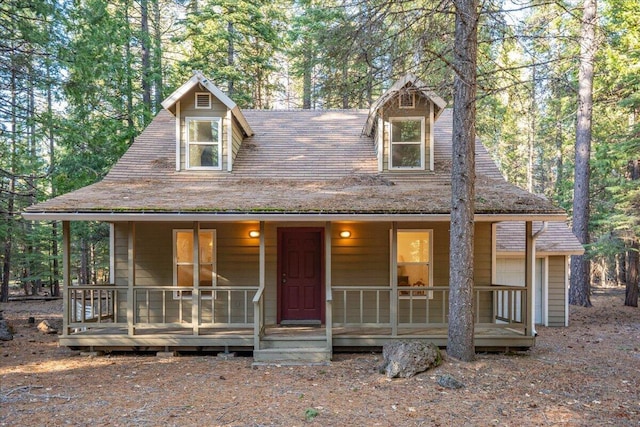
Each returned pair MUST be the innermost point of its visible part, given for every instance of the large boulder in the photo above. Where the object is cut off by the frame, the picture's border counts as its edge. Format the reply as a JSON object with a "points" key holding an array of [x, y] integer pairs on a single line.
{"points": [[405, 359], [5, 331]]}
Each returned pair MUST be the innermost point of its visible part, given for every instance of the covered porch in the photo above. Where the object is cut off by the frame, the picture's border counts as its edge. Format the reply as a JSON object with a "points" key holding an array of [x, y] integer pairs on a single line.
{"points": [[362, 300]]}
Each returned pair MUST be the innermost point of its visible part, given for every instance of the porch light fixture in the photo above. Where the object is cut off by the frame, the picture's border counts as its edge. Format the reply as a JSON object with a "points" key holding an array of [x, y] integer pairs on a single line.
{"points": [[345, 234], [254, 233]]}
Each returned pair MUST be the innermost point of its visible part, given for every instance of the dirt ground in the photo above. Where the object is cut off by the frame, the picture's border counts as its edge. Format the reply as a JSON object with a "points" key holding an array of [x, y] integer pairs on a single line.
{"points": [[586, 374]]}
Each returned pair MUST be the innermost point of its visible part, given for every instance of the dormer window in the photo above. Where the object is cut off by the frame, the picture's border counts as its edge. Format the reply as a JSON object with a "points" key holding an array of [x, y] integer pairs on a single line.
{"points": [[204, 142], [407, 100], [203, 100], [407, 143]]}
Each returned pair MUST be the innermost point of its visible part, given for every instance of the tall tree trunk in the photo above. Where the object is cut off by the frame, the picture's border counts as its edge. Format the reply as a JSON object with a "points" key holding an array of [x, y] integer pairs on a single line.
{"points": [[621, 269], [306, 79], [55, 273], [580, 278], [631, 290], [8, 241], [145, 42], [129, 79], [461, 326], [230, 56], [157, 57]]}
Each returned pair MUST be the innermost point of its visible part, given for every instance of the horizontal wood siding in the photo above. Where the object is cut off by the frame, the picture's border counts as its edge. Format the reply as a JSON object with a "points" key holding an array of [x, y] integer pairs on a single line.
{"points": [[482, 269], [237, 262], [237, 139], [422, 109], [121, 231], [556, 291]]}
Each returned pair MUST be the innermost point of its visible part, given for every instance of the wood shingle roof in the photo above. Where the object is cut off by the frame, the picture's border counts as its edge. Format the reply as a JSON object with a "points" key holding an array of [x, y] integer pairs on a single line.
{"points": [[313, 162], [557, 239]]}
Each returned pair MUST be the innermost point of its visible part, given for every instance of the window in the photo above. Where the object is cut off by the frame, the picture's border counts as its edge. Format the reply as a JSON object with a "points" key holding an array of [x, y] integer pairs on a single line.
{"points": [[204, 141], [407, 100], [407, 143], [414, 262], [184, 263], [203, 100]]}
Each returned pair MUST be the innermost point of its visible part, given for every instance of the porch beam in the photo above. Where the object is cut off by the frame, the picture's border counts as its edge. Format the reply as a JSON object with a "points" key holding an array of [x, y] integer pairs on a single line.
{"points": [[131, 276], [529, 275], [393, 310], [195, 295], [66, 275]]}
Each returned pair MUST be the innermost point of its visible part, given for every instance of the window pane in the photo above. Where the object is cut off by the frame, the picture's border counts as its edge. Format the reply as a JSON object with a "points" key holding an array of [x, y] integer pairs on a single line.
{"points": [[185, 275], [406, 131], [206, 247], [203, 131], [405, 155], [184, 247], [413, 275], [201, 155], [413, 246], [206, 275]]}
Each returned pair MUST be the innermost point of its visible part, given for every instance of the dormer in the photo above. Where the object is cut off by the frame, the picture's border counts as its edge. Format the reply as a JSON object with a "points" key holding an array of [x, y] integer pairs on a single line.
{"points": [[209, 126], [401, 123]]}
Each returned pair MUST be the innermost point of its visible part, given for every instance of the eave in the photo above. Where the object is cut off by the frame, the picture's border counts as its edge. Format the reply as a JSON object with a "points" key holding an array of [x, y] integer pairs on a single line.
{"points": [[276, 216]]}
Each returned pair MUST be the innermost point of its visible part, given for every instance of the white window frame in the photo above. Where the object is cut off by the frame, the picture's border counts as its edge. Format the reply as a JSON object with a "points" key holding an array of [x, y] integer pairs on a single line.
{"points": [[188, 143], [214, 267], [421, 142], [407, 106], [428, 294], [195, 101]]}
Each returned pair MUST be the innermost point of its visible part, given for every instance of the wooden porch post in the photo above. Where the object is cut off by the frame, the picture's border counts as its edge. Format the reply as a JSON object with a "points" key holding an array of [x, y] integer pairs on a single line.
{"points": [[131, 277], [393, 313], [66, 276], [529, 272], [195, 295], [328, 315], [259, 315]]}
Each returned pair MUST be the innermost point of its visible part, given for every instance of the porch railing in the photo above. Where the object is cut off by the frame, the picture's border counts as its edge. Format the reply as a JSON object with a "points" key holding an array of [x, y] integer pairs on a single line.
{"points": [[425, 307], [259, 316], [93, 307], [169, 307]]}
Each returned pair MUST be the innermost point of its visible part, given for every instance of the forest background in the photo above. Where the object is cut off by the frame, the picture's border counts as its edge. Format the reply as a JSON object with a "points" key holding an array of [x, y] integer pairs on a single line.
{"points": [[79, 79]]}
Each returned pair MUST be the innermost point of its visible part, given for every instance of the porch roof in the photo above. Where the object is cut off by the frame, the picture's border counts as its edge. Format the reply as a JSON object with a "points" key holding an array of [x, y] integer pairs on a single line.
{"points": [[557, 239], [297, 163]]}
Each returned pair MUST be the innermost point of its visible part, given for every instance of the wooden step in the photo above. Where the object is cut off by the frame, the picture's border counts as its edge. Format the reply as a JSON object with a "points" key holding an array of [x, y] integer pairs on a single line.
{"points": [[292, 356], [284, 342]]}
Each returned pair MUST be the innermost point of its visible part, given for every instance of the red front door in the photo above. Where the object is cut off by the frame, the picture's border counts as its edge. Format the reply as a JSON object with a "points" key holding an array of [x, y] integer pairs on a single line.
{"points": [[300, 274]]}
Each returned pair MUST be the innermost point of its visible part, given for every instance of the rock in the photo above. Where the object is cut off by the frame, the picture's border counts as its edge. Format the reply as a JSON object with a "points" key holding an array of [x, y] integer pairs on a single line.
{"points": [[5, 332], [405, 359], [46, 328], [447, 381]]}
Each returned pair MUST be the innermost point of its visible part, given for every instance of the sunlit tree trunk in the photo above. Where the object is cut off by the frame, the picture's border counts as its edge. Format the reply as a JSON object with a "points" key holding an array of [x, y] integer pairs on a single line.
{"points": [[579, 293], [461, 327]]}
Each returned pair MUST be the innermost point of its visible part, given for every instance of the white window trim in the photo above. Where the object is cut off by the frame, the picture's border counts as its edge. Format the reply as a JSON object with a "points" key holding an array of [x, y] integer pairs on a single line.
{"points": [[195, 101], [407, 107], [429, 294], [178, 294], [421, 142], [187, 121]]}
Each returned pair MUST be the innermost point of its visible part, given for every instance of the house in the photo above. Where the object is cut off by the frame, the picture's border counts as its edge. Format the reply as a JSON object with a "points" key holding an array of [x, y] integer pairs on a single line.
{"points": [[554, 244], [291, 233]]}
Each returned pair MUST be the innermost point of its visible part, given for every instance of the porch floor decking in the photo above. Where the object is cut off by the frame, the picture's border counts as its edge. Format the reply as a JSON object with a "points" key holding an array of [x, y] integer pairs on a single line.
{"points": [[352, 337]]}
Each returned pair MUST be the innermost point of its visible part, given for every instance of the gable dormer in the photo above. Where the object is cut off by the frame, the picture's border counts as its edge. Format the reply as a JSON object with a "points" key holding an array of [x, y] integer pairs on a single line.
{"points": [[401, 123], [209, 126]]}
